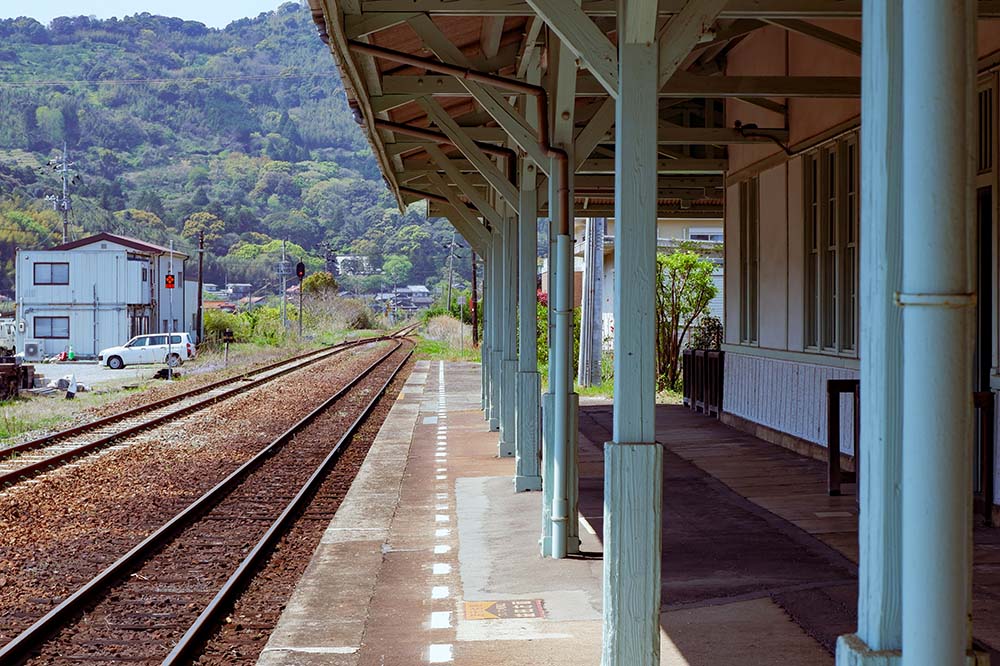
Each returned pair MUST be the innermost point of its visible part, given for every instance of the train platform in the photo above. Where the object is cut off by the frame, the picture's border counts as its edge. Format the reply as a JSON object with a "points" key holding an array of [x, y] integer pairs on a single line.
{"points": [[432, 558]]}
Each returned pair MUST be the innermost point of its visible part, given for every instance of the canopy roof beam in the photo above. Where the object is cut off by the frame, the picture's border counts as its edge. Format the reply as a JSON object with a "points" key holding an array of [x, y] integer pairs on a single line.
{"points": [[578, 32], [403, 88]]}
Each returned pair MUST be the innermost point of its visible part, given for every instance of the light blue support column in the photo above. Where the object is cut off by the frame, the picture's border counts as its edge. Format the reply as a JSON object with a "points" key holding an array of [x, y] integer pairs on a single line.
{"points": [[508, 322], [528, 468], [561, 373], [496, 334], [879, 640], [562, 72], [633, 462], [938, 301], [484, 342]]}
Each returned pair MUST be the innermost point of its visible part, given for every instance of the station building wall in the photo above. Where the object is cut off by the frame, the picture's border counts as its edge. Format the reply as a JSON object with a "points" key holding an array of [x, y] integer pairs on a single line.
{"points": [[775, 379]]}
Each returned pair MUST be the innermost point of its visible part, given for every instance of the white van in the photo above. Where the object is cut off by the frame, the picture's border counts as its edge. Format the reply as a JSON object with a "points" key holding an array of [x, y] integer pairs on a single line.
{"points": [[152, 348]]}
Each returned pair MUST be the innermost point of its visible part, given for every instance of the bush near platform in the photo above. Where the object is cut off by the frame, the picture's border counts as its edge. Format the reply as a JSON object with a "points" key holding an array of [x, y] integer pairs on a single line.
{"points": [[217, 321]]}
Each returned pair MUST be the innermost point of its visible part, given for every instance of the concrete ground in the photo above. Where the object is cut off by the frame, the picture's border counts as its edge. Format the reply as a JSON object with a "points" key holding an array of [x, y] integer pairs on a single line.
{"points": [[91, 374]]}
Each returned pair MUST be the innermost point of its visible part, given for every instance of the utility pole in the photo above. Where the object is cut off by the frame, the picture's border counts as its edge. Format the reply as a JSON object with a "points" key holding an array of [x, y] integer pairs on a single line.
{"points": [[199, 327], [170, 308], [283, 272], [62, 202], [475, 308], [451, 262], [300, 272]]}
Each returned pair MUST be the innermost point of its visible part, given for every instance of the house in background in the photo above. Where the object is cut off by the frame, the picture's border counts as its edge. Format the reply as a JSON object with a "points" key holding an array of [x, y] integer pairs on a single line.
{"points": [[97, 292]]}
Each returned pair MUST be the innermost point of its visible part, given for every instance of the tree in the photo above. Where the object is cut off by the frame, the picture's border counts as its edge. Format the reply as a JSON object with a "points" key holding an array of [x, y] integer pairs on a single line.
{"points": [[197, 223], [140, 223], [682, 294], [396, 269], [319, 283]]}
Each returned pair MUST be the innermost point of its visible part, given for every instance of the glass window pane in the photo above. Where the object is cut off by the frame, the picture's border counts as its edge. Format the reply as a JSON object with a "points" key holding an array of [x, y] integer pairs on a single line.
{"points": [[60, 327]]}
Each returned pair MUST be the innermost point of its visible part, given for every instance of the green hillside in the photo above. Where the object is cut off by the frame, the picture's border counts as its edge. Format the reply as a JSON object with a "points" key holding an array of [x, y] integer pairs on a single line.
{"points": [[166, 118]]}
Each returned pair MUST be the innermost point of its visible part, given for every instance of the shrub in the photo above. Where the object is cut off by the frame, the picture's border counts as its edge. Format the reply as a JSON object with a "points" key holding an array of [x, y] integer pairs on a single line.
{"points": [[217, 321], [707, 334]]}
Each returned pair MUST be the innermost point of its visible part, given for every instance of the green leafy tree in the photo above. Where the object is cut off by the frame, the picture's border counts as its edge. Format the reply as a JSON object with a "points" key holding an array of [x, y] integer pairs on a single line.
{"points": [[141, 224], [50, 125], [197, 223], [682, 295], [322, 282], [396, 269]]}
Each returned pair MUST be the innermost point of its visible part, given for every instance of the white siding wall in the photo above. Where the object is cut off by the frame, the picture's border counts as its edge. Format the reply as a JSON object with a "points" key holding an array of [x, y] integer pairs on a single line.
{"points": [[138, 290], [102, 283], [788, 396]]}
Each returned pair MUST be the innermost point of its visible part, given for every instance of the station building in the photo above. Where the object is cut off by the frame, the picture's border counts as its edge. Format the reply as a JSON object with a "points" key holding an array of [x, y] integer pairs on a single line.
{"points": [[860, 234]]}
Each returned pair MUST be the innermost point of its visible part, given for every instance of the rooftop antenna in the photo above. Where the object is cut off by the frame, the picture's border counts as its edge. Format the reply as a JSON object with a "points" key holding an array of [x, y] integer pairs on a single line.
{"points": [[62, 202]]}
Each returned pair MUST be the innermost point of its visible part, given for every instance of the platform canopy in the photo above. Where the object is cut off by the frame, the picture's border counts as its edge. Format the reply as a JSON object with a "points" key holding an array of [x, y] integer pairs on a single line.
{"points": [[512, 37]]}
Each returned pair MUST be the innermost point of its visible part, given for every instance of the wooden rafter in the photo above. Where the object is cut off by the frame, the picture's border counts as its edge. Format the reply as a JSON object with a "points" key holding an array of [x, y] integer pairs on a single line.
{"points": [[471, 151], [682, 86], [852, 46], [492, 101], [490, 34], [578, 32]]}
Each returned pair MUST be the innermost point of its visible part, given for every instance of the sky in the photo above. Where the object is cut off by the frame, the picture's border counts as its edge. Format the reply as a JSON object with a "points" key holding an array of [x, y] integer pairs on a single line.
{"points": [[213, 13]]}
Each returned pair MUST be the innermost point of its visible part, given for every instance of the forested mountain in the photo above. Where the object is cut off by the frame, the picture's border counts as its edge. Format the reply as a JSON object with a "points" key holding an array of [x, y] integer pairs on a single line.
{"points": [[166, 118]]}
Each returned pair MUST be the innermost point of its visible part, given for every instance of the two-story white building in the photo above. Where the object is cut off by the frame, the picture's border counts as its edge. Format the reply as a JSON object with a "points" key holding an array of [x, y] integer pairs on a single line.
{"points": [[97, 292]]}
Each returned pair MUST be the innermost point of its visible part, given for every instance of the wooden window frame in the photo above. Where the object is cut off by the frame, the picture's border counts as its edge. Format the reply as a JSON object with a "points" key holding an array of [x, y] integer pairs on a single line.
{"points": [[749, 221], [831, 216]]}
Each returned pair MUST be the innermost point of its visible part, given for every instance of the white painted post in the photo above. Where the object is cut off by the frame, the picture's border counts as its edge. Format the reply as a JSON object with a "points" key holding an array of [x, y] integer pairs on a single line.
{"points": [[528, 472], [879, 634], [938, 299], [548, 398], [633, 462]]}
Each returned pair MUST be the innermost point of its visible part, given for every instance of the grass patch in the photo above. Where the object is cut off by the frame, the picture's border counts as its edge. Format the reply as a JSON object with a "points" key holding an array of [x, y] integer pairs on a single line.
{"points": [[439, 350], [42, 413]]}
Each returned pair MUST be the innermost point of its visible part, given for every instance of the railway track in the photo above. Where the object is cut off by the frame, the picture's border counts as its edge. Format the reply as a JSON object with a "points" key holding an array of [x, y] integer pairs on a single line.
{"points": [[25, 460], [159, 602]]}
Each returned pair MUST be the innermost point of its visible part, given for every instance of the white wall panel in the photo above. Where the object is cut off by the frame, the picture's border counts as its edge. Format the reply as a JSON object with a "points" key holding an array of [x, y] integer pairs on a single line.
{"points": [[732, 263], [788, 396], [773, 270]]}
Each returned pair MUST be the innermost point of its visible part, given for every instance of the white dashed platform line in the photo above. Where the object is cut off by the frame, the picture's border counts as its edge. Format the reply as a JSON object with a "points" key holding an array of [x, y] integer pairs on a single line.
{"points": [[440, 619], [440, 653]]}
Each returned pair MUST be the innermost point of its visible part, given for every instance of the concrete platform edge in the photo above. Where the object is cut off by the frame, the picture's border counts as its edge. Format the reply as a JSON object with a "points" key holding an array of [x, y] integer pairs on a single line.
{"points": [[356, 539]]}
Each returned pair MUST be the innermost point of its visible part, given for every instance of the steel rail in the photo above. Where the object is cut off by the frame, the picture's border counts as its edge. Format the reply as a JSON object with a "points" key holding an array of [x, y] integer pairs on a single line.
{"points": [[27, 471], [42, 442], [237, 582], [20, 648]]}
